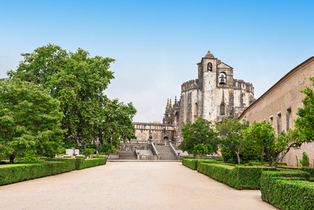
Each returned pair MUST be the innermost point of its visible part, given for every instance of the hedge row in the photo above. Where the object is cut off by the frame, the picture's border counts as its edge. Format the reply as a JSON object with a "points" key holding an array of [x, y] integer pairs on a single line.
{"points": [[288, 189], [239, 177], [21, 172], [305, 168], [194, 163]]}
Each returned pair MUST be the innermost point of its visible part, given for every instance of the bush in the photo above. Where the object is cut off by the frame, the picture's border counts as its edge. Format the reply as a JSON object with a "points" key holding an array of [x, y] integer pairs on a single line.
{"points": [[11, 173], [28, 158], [88, 152], [239, 177], [305, 160], [306, 169], [194, 163], [86, 163], [287, 189]]}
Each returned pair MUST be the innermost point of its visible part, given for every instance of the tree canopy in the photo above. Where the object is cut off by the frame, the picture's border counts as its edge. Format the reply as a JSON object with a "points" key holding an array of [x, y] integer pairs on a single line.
{"points": [[78, 81], [232, 137], [29, 120], [201, 131]]}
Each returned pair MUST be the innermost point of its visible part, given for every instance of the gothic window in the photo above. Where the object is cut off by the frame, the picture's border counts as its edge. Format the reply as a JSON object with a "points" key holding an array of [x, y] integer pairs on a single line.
{"points": [[196, 109], [279, 123], [222, 78], [209, 66], [288, 119], [222, 109]]}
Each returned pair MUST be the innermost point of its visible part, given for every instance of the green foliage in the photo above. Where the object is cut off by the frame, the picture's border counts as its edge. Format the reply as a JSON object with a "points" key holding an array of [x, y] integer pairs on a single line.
{"points": [[21, 172], [194, 163], [305, 122], [88, 152], [239, 177], [200, 132], [88, 113], [305, 160], [233, 139], [86, 163], [202, 149], [107, 149], [29, 120], [248, 153], [287, 189], [28, 158]]}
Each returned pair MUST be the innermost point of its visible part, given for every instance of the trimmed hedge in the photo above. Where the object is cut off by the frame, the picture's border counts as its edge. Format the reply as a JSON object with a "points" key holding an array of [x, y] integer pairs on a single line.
{"points": [[11, 173], [86, 163], [304, 168], [194, 163], [239, 177], [288, 189]]}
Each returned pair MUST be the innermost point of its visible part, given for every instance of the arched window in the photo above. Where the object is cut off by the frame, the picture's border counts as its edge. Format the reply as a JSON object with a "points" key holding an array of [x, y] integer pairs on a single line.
{"points": [[209, 66], [222, 78], [196, 109], [222, 109]]}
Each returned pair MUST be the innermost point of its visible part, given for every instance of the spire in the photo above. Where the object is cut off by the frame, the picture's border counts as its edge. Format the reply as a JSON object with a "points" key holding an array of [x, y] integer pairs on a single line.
{"points": [[175, 99], [170, 102]]}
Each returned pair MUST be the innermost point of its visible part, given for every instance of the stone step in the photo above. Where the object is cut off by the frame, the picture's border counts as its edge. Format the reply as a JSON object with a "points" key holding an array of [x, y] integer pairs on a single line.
{"points": [[165, 152], [127, 155]]}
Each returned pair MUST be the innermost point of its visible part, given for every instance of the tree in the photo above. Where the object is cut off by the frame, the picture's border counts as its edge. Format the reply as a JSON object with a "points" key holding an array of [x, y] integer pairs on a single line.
{"points": [[29, 120], [201, 131], [202, 149], [107, 149], [77, 81], [305, 122], [275, 148], [233, 137]]}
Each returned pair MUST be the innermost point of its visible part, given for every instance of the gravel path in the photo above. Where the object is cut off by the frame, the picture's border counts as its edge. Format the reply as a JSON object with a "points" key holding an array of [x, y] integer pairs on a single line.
{"points": [[128, 185]]}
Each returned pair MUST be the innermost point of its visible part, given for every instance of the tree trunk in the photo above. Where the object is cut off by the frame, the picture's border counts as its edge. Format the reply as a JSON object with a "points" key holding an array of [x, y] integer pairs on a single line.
{"points": [[238, 156], [12, 158]]}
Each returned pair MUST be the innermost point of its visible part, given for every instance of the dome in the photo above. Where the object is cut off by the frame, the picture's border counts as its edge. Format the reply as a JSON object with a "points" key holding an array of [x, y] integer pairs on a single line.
{"points": [[209, 55]]}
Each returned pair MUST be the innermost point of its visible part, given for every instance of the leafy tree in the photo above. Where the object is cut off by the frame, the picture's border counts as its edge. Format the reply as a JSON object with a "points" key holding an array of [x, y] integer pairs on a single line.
{"points": [[88, 152], [305, 122], [29, 120], [78, 81], [202, 149], [233, 137], [201, 131], [248, 153], [117, 123]]}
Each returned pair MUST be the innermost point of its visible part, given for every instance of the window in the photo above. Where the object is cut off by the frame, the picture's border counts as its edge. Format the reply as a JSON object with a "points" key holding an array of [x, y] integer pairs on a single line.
{"points": [[209, 66], [222, 109], [222, 78], [196, 109], [271, 120], [279, 123], [288, 119]]}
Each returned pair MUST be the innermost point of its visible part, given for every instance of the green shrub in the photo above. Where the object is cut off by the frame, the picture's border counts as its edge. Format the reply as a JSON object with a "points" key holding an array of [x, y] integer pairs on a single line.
{"points": [[305, 160], [194, 163], [28, 158], [282, 164], [306, 169], [12, 173], [248, 153], [88, 152], [86, 163], [255, 164], [219, 159], [287, 189], [239, 177]]}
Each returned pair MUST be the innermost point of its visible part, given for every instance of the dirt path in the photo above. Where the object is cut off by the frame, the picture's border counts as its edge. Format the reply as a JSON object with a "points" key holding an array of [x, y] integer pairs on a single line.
{"points": [[128, 185]]}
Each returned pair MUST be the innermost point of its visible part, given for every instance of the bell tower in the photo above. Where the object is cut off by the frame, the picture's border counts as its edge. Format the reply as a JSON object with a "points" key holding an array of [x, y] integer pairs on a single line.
{"points": [[208, 74]]}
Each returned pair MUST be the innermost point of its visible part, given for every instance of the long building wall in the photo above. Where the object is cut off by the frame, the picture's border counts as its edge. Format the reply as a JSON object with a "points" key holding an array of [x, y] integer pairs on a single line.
{"points": [[280, 104]]}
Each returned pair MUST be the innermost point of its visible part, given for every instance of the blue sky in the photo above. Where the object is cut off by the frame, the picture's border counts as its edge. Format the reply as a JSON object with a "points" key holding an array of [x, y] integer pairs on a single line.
{"points": [[157, 44]]}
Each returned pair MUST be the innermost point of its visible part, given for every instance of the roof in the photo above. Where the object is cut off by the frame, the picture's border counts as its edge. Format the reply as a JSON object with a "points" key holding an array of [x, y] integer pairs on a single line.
{"points": [[309, 60]]}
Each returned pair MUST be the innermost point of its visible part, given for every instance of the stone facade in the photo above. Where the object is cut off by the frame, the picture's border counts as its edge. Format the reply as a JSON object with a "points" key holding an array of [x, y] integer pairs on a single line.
{"points": [[157, 132], [279, 105], [213, 96]]}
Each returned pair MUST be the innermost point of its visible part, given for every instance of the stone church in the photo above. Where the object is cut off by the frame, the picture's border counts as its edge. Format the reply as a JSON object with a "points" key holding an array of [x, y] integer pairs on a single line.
{"points": [[214, 95]]}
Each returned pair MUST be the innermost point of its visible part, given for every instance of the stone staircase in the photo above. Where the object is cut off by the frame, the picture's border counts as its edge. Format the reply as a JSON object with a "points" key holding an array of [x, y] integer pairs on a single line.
{"points": [[127, 155], [165, 152]]}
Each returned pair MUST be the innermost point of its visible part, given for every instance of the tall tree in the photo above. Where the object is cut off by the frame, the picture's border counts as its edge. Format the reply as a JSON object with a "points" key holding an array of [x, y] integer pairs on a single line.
{"points": [[305, 122], [29, 120], [201, 131], [77, 81], [233, 134]]}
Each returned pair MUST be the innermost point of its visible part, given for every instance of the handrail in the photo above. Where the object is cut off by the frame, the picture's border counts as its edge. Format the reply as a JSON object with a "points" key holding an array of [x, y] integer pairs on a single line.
{"points": [[174, 151]]}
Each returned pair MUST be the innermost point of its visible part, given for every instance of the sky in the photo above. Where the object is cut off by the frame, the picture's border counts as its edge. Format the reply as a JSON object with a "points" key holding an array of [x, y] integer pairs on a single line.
{"points": [[156, 44]]}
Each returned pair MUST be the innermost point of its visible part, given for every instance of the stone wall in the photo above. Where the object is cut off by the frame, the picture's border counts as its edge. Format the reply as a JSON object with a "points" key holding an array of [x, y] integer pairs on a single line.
{"points": [[279, 105]]}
